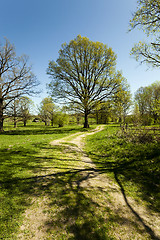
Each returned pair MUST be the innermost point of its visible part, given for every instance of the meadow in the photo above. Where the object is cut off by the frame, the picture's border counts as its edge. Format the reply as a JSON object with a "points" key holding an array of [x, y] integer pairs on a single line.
{"points": [[25, 154], [132, 161], [34, 173]]}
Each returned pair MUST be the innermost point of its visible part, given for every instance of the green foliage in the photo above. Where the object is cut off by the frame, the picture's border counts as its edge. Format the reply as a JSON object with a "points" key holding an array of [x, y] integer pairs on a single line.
{"points": [[147, 16], [46, 110], [136, 117], [148, 99], [122, 101], [84, 74], [25, 105], [61, 119], [102, 112]]}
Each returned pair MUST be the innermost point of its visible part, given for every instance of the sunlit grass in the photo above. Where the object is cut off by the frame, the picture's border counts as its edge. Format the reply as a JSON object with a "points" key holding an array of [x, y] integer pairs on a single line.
{"points": [[135, 164], [25, 153], [31, 168]]}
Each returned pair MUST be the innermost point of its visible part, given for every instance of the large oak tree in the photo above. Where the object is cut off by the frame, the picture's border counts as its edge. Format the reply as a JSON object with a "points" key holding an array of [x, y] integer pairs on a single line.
{"points": [[84, 74], [16, 77]]}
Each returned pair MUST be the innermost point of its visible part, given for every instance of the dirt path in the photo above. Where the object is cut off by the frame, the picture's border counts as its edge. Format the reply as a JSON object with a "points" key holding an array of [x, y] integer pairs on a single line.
{"points": [[126, 207], [134, 221]]}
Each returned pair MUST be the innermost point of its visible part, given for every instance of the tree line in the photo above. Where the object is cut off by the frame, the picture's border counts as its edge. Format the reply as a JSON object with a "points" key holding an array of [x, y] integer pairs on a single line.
{"points": [[84, 77], [143, 109]]}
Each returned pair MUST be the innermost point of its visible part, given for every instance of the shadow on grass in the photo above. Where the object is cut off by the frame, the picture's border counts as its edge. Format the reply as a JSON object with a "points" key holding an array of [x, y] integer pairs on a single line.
{"points": [[76, 216], [22, 177], [134, 166], [73, 212], [36, 130], [146, 227], [137, 165]]}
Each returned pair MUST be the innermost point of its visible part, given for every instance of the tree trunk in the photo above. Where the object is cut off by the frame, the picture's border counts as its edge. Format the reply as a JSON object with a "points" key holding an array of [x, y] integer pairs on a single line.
{"points": [[52, 122], [86, 125], [1, 123], [15, 122], [25, 122]]}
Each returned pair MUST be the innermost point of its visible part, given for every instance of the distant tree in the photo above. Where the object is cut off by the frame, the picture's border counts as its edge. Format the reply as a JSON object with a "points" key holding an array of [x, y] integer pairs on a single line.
{"points": [[102, 112], [147, 18], [157, 107], [122, 101], [84, 74], [16, 78], [46, 110], [74, 112], [25, 105], [136, 117], [148, 99], [153, 100], [61, 118], [13, 111], [141, 99]]}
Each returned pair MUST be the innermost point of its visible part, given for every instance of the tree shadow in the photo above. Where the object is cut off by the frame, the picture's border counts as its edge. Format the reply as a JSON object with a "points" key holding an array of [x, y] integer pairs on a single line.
{"points": [[146, 227], [37, 130], [78, 216], [75, 217], [137, 165], [23, 177], [132, 165], [74, 213]]}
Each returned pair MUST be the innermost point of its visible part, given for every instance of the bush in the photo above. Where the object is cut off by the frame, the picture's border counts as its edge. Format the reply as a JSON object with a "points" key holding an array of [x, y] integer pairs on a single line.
{"points": [[139, 136], [61, 119]]}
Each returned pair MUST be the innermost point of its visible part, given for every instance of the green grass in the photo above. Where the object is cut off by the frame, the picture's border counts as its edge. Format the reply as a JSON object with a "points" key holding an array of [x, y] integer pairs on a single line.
{"points": [[24, 154], [134, 166], [31, 168]]}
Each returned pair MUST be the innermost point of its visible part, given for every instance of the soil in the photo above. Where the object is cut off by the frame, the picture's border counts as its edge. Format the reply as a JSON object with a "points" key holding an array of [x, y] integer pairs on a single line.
{"points": [[132, 216]]}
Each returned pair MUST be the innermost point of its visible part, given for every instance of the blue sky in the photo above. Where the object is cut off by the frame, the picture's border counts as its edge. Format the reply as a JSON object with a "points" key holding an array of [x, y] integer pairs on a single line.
{"points": [[37, 28]]}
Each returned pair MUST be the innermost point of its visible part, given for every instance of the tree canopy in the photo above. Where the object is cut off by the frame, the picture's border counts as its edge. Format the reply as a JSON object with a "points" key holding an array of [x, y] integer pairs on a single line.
{"points": [[123, 101], [147, 18], [46, 110], [84, 74]]}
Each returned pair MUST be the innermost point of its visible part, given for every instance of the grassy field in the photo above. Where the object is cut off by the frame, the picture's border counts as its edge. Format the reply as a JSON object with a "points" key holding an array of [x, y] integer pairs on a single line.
{"points": [[36, 175], [25, 155], [133, 162]]}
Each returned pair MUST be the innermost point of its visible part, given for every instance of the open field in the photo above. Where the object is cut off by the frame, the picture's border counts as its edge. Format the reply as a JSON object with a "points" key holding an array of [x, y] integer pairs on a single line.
{"points": [[25, 153], [55, 191], [134, 165], [133, 162]]}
